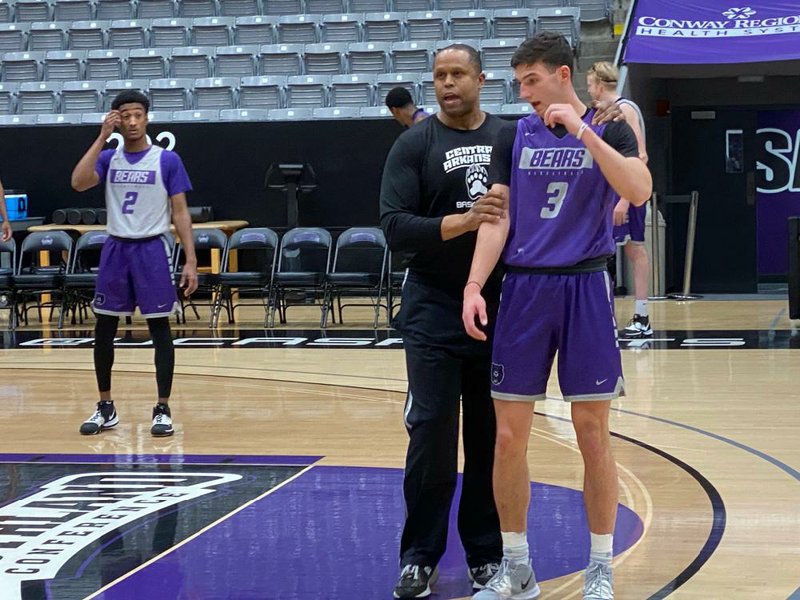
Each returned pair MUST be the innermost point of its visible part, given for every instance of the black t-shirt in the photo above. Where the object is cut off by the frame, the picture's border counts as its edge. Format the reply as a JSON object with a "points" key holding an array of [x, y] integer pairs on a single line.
{"points": [[433, 171]]}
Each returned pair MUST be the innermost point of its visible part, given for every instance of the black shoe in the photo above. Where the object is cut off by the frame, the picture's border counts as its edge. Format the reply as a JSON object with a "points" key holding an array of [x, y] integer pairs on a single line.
{"points": [[416, 581], [638, 326], [162, 421], [105, 417], [480, 576]]}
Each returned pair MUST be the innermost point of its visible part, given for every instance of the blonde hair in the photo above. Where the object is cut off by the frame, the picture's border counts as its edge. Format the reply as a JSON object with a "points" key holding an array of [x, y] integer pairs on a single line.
{"points": [[605, 73]]}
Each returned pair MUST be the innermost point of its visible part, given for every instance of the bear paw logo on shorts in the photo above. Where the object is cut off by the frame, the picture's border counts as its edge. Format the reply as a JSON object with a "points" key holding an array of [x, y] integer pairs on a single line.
{"points": [[498, 374], [477, 178], [99, 299]]}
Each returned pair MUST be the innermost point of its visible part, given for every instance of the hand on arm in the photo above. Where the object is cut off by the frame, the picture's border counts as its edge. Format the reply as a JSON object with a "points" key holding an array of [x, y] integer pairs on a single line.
{"points": [[84, 175], [490, 208], [183, 225], [492, 237]]}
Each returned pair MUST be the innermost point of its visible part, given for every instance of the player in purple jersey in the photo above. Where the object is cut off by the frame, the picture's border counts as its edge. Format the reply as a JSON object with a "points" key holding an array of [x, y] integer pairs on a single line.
{"points": [[629, 220], [401, 105], [564, 174], [145, 189]]}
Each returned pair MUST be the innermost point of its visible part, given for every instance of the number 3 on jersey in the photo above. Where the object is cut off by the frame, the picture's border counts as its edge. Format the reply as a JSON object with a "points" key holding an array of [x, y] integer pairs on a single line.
{"points": [[557, 191], [130, 200]]}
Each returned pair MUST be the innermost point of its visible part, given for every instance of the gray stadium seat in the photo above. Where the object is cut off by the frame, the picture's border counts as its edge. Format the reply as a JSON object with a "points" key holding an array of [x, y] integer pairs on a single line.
{"points": [[106, 64], [169, 32], [191, 62], [88, 35], [565, 21], [537, 4], [353, 90], [427, 91], [496, 87], [198, 8], [148, 63], [290, 114], [410, 5], [592, 10], [47, 36], [516, 109], [239, 8], [369, 57], [6, 12], [64, 65], [387, 81], [280, 59], [375, 112], [259, 29], [73, 10], [514, 22], [283, 7], [17, 119], [453, 4], [492, 109], [236, 61], [321, 59], [21, 66], [94, 118], [243, 114], [336, 112], [215, 93], [200, 116], [412, 56], [298, 29], [114, 9], [38, 97], [383, 27], [471, 24], [13, 37], [33, 10], [495, 4], [341, 27], [366, 6], [127, 33], [82, 96], [326, 7], [496, 54], [307, 91], [8, 98], [114, 87], [170, 94], [427, 25], [58, 119], [157, 9], [212, 31], [262, 93]]}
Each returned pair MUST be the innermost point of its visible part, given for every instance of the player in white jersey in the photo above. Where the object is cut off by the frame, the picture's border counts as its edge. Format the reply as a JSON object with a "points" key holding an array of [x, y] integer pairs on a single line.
{"points": [[145, 188]]}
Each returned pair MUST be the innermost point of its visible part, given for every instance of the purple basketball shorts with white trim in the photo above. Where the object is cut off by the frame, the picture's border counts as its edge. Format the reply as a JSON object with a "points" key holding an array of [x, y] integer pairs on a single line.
{"points": [[633, 230], [135, 273], [541, 314]]}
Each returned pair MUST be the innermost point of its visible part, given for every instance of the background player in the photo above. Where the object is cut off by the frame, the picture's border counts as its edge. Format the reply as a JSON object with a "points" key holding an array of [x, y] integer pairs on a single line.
{"points": [[565, 174], [629, 219], [401, 105], [145, 186]]}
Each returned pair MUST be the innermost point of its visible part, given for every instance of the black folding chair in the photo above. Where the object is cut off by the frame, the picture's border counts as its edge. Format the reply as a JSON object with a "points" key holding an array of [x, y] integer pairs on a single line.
{"points": [[81, 279], [7, 291], [205, 241], [40, 277]]}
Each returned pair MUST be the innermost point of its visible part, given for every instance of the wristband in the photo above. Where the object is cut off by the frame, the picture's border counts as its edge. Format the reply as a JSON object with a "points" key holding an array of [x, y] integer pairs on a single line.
{"points": [[581, 129], [480, 287]]}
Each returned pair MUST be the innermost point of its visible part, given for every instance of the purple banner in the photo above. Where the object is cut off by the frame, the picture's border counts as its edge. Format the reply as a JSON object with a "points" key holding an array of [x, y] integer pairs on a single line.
{"points": [[713, 32], [778, 185]]}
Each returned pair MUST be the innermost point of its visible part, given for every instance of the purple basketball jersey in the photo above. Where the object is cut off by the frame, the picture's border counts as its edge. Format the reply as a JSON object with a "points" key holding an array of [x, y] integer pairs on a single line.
{"points": [[561, 203]]}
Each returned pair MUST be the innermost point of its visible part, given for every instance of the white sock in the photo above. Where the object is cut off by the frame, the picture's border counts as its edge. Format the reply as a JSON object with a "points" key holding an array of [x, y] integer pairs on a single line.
{"points": [[640, 308], [602, 547], [515, 546]]}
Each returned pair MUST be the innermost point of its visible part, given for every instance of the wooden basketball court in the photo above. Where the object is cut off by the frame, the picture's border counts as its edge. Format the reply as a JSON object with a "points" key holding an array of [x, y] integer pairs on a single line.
{"points": [[706, 443]]}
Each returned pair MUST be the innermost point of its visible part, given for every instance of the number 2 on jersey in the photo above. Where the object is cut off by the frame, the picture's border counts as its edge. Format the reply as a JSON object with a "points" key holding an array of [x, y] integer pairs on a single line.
{"points": [[557, 191], [130, 200]]}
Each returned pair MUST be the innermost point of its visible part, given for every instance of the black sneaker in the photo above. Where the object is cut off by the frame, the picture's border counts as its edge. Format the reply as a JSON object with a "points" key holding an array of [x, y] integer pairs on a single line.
{"points": [[638, 326], [415, 581], [480, 576], [105, 417], [162, 421]]}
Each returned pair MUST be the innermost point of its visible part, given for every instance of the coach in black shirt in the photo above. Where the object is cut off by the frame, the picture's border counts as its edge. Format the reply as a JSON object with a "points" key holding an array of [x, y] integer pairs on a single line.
{"points": [[431, 207]]}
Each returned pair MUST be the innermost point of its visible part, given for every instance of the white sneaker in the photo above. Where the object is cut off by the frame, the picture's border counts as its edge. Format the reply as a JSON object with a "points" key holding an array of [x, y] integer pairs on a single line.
{"points": [[599, 582], [105, 417], [638, 326], [513, 581], [162, 421]]}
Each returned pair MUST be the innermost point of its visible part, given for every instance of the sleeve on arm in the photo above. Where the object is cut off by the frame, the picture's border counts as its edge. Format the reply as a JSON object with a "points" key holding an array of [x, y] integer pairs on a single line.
{"points": [[502, 155], [176, 180], [103, 161], [401, 203], [620, 136]]}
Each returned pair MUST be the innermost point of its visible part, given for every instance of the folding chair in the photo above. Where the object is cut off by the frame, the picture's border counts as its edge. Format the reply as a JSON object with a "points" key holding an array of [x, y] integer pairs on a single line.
{"points": [[41, 276], [7, 291], [81, 279], [359, 267], [206, 241]]}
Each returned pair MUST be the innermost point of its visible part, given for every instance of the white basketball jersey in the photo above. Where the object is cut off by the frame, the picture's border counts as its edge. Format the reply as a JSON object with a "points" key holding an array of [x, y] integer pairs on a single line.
{"points": [[136, 199]]}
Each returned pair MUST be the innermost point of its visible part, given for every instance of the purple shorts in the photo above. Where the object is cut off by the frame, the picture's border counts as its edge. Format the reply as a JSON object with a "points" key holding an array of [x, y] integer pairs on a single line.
{"points": [[135, 273], [633, 230], [541, 314]]}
